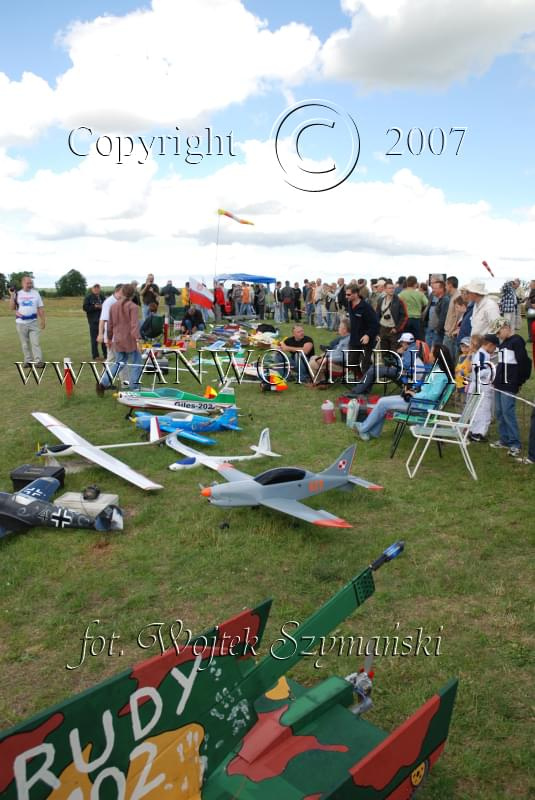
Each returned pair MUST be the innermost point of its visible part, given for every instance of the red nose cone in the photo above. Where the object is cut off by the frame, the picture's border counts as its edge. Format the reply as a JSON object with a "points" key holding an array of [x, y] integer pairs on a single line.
{"points": [[206, 492]]}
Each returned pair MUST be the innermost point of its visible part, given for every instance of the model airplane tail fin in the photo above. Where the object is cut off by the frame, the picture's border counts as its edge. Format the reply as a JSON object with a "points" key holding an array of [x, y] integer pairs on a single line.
{"points": [[263, 448], [342, 465], [229, 420], [155, 430], [226, 394], [109, 519]]}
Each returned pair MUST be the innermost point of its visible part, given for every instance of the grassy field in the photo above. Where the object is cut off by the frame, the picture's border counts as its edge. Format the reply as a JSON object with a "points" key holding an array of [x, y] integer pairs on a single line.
{"points": [[467, 572]]}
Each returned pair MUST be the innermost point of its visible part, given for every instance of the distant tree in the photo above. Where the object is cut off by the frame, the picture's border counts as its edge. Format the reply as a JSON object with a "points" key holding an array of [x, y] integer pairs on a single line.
{"points": [[15, 279], [72, 284], [3, 284]]}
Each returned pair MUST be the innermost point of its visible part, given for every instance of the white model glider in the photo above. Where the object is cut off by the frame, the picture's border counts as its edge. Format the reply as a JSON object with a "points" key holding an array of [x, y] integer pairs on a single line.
{"points": [[75, 444], [193, 458]]}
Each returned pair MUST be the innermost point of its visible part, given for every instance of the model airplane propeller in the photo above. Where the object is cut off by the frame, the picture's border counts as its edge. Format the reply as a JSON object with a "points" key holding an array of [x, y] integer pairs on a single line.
{"points": [[31, 507], [75, 444], [282, 488]]}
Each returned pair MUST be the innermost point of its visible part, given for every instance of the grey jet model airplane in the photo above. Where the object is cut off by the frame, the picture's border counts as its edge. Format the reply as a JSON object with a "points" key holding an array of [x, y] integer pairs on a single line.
{"points": [[282, 488], [31, 507]]}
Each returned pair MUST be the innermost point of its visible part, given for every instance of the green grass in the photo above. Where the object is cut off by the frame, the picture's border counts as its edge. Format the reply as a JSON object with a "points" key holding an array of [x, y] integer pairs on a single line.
{"points": [[468, 564]]}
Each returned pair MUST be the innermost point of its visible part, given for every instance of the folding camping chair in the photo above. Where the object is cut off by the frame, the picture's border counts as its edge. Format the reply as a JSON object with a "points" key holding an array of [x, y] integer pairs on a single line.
{"points": [[445, 427], [416, 413]]}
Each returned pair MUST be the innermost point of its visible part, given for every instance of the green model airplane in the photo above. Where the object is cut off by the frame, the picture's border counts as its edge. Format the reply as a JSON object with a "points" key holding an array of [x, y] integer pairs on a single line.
{"points": [[177, 400], [205, 721]]}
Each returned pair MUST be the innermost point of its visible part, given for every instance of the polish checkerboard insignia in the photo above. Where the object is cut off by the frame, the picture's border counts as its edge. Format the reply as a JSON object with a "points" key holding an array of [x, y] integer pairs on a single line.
{"points": [[342, 464]]}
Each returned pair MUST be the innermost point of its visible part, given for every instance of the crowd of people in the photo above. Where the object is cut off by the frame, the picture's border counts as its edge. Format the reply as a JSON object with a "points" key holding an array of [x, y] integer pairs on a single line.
{"points": [[461, 328]]}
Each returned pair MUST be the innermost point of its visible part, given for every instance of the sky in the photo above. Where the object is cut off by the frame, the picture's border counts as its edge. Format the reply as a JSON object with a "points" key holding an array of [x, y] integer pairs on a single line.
{"points": [[361, 137]]}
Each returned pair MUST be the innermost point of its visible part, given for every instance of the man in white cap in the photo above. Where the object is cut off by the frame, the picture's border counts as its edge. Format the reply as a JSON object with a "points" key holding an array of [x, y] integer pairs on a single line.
{"points": [[411, 368], [486, 310]]}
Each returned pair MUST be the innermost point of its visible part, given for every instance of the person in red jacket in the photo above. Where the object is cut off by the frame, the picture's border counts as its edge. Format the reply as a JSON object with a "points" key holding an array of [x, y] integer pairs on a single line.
{"points": [[219, 302]]}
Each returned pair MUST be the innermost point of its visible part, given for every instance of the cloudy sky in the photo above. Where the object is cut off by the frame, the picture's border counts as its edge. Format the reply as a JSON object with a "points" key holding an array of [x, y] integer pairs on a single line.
{"points": [[111, 109]]}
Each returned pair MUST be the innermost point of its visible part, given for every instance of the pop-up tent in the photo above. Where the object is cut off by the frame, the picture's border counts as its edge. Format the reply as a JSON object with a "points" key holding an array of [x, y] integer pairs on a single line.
{"points": [[242, 276]]}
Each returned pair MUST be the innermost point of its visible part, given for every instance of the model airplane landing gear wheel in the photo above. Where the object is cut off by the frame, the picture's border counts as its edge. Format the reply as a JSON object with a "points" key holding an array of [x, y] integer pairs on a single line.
{"points": [[419, 774], [223, 526]]}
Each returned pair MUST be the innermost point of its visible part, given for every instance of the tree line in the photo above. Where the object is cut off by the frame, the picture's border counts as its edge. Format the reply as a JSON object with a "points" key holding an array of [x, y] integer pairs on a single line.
{"points": [[72, 284]]}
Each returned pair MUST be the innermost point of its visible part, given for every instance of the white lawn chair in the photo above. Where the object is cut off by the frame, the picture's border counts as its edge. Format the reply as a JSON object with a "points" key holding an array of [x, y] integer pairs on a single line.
{"points": [[445, 427]]}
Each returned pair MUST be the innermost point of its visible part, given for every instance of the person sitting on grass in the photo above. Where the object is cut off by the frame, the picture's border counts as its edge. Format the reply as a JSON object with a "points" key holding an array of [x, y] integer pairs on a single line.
{"points": [[513, 370], [293, 346], [193, 321], [431, 391], [335, 355], [481, 381]]}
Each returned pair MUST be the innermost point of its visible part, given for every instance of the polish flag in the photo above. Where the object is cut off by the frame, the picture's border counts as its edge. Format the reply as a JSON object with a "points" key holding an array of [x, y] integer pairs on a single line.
{"points": [[199, 295]]}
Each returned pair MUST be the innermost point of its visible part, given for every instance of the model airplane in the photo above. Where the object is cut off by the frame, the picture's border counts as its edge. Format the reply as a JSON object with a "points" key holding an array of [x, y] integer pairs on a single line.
{"points": [[75, 444], [176, 399], [188, 426], [281, 489], [193, 458], [31, 507], [205, 721]]}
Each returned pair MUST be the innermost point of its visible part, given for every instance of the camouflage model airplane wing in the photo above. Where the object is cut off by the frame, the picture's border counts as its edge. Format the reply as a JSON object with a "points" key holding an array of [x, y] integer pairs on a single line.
{"points": [[94, 454], [205, 721]]}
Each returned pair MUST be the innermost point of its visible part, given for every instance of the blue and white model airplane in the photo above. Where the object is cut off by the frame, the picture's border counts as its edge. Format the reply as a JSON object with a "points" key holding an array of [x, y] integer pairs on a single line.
{"points": [[188, 426], [193, 458]]}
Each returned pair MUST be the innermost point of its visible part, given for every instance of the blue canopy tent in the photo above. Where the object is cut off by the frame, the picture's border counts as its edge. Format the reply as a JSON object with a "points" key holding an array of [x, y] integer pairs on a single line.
{"points": [[242, 276]]}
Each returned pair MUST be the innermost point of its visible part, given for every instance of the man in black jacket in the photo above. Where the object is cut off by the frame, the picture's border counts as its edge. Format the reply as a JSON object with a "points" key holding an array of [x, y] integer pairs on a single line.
{"points": [[92, 307], [512, 371], [392, 313], [364, 324]]}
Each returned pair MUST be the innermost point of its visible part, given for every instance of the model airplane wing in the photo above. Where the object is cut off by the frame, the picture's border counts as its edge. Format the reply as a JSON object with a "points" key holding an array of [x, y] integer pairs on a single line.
{"points": [[231, 474], [364, 483], [299, 510], [88, 451], [193, 437]]}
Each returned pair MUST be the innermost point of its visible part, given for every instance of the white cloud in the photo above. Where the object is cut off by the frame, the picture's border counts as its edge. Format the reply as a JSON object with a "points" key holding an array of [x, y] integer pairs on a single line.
{"points": [[28, 107], [424, 43], [167, 65], [113, 221], [10, 167]]}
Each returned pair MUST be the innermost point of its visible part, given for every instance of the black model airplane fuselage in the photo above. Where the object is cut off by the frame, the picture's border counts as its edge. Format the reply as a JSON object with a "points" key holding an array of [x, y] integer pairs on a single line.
{"points": [[30, 507]]}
